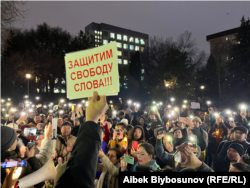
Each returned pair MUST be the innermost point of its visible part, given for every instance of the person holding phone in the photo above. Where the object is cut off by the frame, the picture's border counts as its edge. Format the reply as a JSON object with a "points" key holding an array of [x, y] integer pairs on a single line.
{"points": [[145, 157], [8, 146], [118, 137], [109, 168]]}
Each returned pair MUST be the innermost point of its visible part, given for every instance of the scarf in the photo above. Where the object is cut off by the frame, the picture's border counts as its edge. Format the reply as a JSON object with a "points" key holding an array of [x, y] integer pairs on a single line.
{"points": [[152, 164]]}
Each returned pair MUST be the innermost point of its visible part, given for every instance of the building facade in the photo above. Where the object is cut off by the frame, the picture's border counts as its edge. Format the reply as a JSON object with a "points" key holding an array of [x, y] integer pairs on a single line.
{"points": [[128, 42], [220, 44]]}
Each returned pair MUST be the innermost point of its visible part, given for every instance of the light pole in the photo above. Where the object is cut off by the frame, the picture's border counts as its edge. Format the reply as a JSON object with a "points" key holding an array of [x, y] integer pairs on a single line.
{"points": [[202, 87], [167, 90], [28, 76]]}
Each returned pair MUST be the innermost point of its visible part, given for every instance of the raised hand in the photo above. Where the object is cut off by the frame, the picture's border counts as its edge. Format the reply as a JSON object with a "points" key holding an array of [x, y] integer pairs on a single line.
{"points": [[97, 106]]}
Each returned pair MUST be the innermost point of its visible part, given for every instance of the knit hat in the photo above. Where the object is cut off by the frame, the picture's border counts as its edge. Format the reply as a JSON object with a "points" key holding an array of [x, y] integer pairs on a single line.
{"points": [[8, 137], [125, 121], [241, 128], [238, 147], [13, 126], [25, 126], [201, 113], [197, 119]]}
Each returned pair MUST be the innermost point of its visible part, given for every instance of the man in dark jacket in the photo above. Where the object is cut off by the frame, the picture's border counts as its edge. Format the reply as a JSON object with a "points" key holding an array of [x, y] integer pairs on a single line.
{"points": [[240, 134], [81, 167]]}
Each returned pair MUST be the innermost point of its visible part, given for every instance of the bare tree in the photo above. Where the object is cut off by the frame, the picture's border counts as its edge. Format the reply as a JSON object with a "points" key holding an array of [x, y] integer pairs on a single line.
{"points": [[11, 13]]}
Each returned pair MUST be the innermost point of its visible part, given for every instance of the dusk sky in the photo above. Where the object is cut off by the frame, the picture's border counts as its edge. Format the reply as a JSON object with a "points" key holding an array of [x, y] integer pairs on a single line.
{"points": [[163, 19]]}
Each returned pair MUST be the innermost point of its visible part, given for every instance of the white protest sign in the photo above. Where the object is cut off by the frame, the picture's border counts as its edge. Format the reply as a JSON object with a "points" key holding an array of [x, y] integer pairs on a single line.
{"points": [[92, 70], [195, 105]]}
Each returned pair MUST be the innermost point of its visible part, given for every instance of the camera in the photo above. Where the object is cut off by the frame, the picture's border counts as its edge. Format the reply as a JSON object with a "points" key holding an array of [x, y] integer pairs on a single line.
{"points": [[33, 131], [118, 133]]}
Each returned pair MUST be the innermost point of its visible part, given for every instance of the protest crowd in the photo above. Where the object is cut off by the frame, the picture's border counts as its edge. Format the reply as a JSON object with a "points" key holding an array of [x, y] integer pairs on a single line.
{"points": [[96, 140]]}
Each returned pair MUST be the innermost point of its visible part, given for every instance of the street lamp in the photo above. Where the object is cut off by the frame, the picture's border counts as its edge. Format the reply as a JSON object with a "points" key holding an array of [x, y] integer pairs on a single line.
{"points": [[202, 87], [167, 85], [28, 76]]}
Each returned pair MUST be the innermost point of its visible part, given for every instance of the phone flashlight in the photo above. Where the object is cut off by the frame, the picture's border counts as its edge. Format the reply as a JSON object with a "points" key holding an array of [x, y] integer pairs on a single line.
{"points": [[27, 104], [65, 105], [120, 98], [125, 139], [2, 100], [62, 101], [169, 138], [13, 109], [83, 101], [134, 104], [3, 109], [61, 112], [129, 101], [9, 99], [228, 112], [160, 103], [216, 114], [30, 110], [169, 115], [231, 119], [157, 104], [184, 106], [185, 101], [114, 112], [138, 105], [208, 102], [23, 114], [145, 112], [8, 104], [153, 102], [169, 106], [51, 104], [79, 105], [87, 104], [37, 98], [50, 111], [176, 109], [44, 106], [154, 108], [110, 102], [191, 117], [70, 104], [33, 106], [172, 99]]}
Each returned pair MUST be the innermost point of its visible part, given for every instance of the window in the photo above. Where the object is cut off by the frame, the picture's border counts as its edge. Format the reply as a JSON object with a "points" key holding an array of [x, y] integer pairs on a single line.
{"points": [[137, 48], [142, 78], [98, 37], [125, 37], [95, 36], [63, 91], [37, 90], [137, 40], [125, 46], [238, 42], [63, 81], [119, 45], [227, 58], [100, 33], [119, 37], [119, 53], [105, 41], [112, 35], [125, 62], [119, 61], [96, 45], [226, 38], [105, 34], [95, 31], [142, 49], [95, 40], [125, 53], [142, 41], [131, 47], [142, 71], [131, 39], [125, 84], [125, 77]]}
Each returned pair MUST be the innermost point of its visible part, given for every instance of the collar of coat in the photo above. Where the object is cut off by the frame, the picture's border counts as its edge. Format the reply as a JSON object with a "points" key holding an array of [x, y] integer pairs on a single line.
{"points": [[64, 137]]}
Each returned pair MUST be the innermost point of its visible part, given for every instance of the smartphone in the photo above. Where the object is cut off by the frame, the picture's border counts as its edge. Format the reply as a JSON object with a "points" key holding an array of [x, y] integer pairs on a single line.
{"points": [[192, 141], [160, 131], [176, 159], [128, 159], [169, 138], [135, 145], [11, 164], [30, 131], [111, 105]]}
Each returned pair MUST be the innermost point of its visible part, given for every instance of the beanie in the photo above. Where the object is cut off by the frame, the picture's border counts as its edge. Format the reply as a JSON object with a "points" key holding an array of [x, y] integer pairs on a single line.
{"points": [[238, 147], [8, 137], [241, 128]]}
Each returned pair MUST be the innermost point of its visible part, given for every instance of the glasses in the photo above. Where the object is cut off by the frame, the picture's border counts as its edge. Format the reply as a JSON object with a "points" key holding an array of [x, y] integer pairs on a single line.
{"points": [[111, 156]]}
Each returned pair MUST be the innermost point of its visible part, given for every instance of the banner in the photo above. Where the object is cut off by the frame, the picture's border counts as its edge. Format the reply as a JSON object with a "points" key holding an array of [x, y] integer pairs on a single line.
{"points": [[195, 105], [92, 70]]}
